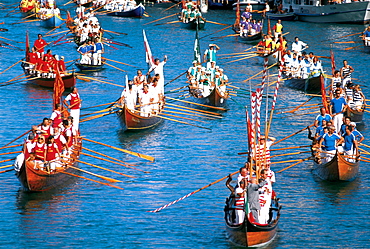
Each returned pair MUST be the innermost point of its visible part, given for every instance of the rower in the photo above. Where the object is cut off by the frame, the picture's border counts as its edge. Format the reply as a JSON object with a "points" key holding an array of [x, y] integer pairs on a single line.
{"points": [[338, 106], [74, 106], [145, 100], [346, 72], [328, 143], [84, 54], [278, 29], [51, 154], [56, 116], [366, 36], [210, 54], [39, 151], [240, 202], [68, 135], [305, 67], [335, 80], [45, 128], [316, 67], [62, 66], [298, 46], [129, 97], [158, 68], [350, 146], [358, 135], [39, 45], [358, 98], [192, 70], [99, 50]]}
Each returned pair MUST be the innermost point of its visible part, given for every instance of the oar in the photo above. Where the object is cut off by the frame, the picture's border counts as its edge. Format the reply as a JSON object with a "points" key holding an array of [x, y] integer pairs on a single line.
{"points": [[189, 111], [104, 183], [176, 78], [345, 42], [86, 78], [343, 36], [93, 174], [99, 167], [182, 122], [208, 21], [171, 7], [175, 116], [157, 24], [300, 114], [353, 47], [7, 160], [188, 108], [85, 108], [295, 133], [28, 16], [12, 146], [293, 147], [17, 138], [119, 62], [196, 191], [7, 166], [58, 33], [149, 158], [208, 106], [6, 170], [11, 66], [91, 113], [294, 164], [103, 159], [244, 58], [176, 89], [215, 32], [290, 154], [8, 153], [114, 67], [160, 19], [258, 73], [287, 161], [10, 39], [116, 33], [189, 114]]}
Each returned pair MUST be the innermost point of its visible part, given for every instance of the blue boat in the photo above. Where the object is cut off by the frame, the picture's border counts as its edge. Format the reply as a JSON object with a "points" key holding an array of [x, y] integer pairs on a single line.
{"points": [[137, 11], [89, 67], [52, 22]]}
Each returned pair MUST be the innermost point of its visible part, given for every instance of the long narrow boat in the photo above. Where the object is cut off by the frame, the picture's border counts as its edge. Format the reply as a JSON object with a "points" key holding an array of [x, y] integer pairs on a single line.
{"points": [[132, 121], [137, 11], [250, 38], [215, 98], [338, 169], [89, 67], [40, 180], [287, 16], [249, 233], [52, 22], [69, 80], [194, 24], [273, 58], [310, 85], [356, 115]]}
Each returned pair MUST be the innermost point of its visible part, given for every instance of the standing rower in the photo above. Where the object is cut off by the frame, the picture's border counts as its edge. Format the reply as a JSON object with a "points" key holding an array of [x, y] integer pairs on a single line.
{"points": [[74, 106]]}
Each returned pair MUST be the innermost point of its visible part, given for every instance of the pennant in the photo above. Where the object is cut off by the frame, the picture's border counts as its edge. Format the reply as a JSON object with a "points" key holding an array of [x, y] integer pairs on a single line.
{"points": [[148, 53], [58, 88]]}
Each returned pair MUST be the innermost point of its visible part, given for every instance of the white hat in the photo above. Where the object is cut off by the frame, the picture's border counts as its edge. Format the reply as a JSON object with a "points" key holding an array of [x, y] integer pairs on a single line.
{"points": [[221, 70], [352, 124], [194, 61], [217, 73]]}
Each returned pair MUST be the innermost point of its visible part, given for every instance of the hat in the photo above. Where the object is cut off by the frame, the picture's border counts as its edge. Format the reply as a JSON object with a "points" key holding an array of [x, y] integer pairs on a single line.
{"points": [[199, 66], [352, 124], [217, 67], [211, 45], [217, 73], [208, 72], [194, 61], [62, 57], [331, 128], [221, 69]]}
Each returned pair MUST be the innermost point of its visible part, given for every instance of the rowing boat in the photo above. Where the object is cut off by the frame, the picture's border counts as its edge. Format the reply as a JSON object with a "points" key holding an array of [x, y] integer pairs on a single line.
{"points": [[355, 115], [89, 67], [337, 169], [199, 24], [215, 98], [130, 10], [52, 22], [132, 120], [250, 233], [310, 85]]}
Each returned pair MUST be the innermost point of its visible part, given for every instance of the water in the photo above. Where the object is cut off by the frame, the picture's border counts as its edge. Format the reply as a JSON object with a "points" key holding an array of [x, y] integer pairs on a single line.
{"points": [[89, 215]]}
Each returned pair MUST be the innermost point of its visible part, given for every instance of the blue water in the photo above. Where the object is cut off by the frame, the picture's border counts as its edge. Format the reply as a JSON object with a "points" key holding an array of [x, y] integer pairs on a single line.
{"points": [[89, 215]]}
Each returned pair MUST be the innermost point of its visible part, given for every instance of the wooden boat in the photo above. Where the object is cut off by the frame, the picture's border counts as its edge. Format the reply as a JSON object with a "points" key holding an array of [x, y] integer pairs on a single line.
{"points": [[132, 121], [310, 85], [216, 5], [52, 22], [40, 180], [288, 16], [273, 57], [69, 80], [89, 67], [194, 24], [356, 115], [324, 12], [86, 4], [213, 99], [250, 38], [134, 11], [338, 169], [256, 5], [249, 233]]}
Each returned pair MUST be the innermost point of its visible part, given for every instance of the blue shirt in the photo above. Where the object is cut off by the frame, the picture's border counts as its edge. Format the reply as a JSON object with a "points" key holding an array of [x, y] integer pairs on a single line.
{"points": [[357, 135], [338, 104], [343, 129], [329, 141], [348, 141], [320, 118]]}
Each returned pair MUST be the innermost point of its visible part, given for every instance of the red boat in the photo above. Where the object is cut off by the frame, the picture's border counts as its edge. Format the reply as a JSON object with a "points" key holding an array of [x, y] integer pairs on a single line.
{"points": [[249, 233], [40, 180], [134, 121]]}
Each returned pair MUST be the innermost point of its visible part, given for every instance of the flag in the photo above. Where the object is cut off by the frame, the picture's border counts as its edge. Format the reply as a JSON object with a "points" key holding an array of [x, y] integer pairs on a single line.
{"points": [[58, 88], [27, 47], [323, 94], [148, 53], [237, 19], [126, 84], [197, 56], [332, 61]]}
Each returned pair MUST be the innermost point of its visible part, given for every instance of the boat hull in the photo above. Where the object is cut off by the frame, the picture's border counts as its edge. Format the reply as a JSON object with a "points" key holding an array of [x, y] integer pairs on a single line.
{"points": [[133, 122], [192, 25], [272, 58], [52, 22], [137, 12], [89, 68], [310, 85], [355, 12], [356, 116], [250, 38], [284, 17], [338, 169], [214, 99]]}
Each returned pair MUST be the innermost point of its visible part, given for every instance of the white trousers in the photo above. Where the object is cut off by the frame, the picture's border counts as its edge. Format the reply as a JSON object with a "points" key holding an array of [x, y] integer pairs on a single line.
{"points": [[338, 121], [75, 113]]}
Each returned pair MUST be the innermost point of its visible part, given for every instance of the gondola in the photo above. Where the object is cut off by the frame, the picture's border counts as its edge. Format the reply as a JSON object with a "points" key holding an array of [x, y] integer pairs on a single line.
{"points": [[89, 67], [249, 233], [69, 80], [288, 16], [250, 38], [356, 115], [338, 169], [199, 24], [39, 180], [134, 11], [52, 22], [310, 85], [215, 98], [132, 121]]}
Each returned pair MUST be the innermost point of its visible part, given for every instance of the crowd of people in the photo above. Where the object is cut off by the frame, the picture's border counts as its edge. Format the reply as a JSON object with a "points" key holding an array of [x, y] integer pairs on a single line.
{"points": [[44, 8], [51, 144], [301, 66], [43, 64], [119, 5], [190, 12], [203, 80], [254, 192], [247, 25], [145, 95]]}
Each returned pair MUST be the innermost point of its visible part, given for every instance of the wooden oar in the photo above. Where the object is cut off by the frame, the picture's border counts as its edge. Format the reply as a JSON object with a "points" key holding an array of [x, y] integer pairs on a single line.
{"points": [[8, 153], [189, 114], [182, 122], [176, 78], [104, 183], [95, 117], [118, 62], [215, 32], [175, 116], [95, 79], [6, 170], [189, 111], [294, 164], [171, 7], [172, 22], [208, 106], [208, 21], [244, 58], [91, 113], [160, 19], [11, 66], [197, 110], [258, 73], [12, 146], [293, 147], [300, 114], [93, 174], [290, 154], [106, 63], [7, 160], [99, 167], [10, 39], [343, 36], [17, 138], [116, 33], [196, 191], [295, 133], [103, 159], [149, 158], [85, 108], [345, 42], [7, 166], [353, 47], [58, 33]]}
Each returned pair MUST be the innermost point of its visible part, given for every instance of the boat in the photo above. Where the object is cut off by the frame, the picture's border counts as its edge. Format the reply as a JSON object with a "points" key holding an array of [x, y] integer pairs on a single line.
{"points": [[256, 5], [249, 233], [85, 3], [323, 12], [28, 8], [215, 98], [130, 9], [52, 22], [224, 4], [39, 180], [132, 121], [89, 67], [355, 115], [250, 38], [198, 23], [337, 169], [272, 58], [310, 85], [287, 16]]}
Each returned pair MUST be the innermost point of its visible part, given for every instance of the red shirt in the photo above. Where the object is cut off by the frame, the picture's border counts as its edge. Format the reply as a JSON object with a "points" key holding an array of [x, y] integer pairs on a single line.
{"points": [[33, 58], [51, 152], [40, 45], [39, 151]]}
